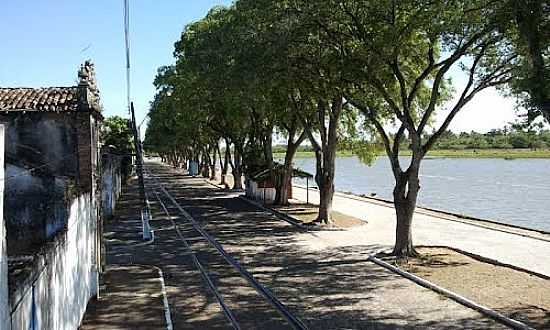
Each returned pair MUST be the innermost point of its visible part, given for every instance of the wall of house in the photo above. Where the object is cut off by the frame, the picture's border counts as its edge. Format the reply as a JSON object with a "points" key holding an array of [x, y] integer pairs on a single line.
{"points": [[41, 172], [265, 195], [4, 293], [36, 207], [42, 139], [66, 277], [51, 217], [111, 183]]}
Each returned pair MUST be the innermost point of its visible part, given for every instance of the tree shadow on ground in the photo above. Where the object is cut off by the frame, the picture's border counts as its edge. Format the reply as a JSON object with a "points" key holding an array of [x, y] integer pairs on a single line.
{"points": [[327, 289], [536, 317]]}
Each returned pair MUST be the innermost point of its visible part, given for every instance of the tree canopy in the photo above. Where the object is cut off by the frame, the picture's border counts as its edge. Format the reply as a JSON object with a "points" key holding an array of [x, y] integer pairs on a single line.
{"points": [[334, 71]]}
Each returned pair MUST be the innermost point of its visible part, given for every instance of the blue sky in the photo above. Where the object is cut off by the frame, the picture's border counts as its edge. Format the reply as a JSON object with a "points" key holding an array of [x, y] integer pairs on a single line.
{"points": [[44, 42]]}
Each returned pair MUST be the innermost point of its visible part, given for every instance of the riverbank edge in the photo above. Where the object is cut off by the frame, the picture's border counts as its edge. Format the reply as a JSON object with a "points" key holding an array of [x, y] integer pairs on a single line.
{"points": [[445, 215], [421, 281]]}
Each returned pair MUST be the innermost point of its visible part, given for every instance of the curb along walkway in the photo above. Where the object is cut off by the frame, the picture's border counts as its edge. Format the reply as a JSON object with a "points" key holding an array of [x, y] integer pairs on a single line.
{"points": [[332, 288], [328, 289], [131, 291], [508, 248]]}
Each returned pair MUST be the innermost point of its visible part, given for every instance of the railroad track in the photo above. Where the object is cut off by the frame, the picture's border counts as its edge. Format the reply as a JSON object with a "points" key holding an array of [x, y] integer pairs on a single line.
{"points": [[194, 232]]}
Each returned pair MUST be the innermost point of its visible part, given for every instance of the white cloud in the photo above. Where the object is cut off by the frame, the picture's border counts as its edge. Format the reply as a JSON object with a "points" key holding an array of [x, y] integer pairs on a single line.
{"points": [[487, 110]]}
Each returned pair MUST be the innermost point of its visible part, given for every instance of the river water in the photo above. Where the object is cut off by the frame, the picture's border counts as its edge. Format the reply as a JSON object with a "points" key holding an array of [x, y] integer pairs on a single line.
{"points": [[509, 191]]}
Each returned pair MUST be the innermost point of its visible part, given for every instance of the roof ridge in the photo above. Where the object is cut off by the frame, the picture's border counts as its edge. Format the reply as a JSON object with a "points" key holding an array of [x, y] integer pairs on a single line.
{"points": [[45, 87]]}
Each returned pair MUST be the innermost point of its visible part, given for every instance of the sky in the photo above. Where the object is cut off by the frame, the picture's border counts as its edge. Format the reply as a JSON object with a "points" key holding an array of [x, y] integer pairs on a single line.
{"points": [[44, 42]]}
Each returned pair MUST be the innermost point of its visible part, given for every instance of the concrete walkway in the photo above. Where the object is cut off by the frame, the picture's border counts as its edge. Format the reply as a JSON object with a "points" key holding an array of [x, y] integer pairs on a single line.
{"points": [[525, 252], [131, 299], [332, 288], [328, 287]]}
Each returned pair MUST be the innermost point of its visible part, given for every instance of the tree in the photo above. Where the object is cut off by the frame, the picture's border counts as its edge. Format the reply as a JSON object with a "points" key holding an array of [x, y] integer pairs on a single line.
{"points": [[316, 60], [531, 39], [404, 51], [116, 134]]}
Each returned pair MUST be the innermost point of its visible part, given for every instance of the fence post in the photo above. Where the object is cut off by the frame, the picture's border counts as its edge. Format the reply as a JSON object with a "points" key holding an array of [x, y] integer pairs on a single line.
{"points": [[5, 322], [307, 190]]}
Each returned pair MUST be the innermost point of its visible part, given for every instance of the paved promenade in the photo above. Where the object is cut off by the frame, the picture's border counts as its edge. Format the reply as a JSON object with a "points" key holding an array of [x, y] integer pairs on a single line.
{"points": [[525, 252], [333, 287]]}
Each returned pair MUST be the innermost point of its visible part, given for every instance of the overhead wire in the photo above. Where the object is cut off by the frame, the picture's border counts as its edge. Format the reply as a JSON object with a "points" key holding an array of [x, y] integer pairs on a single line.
{"points": [[127, 49]]}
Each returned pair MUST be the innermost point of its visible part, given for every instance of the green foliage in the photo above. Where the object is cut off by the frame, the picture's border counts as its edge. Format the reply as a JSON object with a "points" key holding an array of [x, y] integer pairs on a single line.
{"points": [[116, 133], [495, 139], [259, 66], [527, 24]]}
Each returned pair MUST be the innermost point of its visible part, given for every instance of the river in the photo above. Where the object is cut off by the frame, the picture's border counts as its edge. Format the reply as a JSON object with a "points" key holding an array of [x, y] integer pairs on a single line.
{"points": [[508, 191]]}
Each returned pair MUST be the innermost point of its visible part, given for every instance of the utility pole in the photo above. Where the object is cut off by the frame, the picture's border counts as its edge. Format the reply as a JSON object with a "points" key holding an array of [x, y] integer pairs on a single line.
{"points": [[145, 212], [139, 156]]}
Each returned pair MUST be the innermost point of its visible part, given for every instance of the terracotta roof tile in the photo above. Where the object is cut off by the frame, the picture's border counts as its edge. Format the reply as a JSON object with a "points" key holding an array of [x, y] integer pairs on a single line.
{"points": [[39, 99]]}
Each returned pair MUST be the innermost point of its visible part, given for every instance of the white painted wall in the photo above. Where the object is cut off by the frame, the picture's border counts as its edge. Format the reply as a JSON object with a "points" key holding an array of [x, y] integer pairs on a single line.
{"points": [[111, 184], [62, 291], [4, 294], [193, 168], [265, 195]]}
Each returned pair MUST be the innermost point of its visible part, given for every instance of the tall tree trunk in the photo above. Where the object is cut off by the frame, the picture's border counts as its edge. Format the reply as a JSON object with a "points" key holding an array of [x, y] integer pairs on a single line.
{"points": [[268, 147], [329, 145], [325, 155], [326, 182], [207, 162], [213, 163], [225, 165], [326, 194], [405, 195], [529, 19], [285, 181], [237, 169]]}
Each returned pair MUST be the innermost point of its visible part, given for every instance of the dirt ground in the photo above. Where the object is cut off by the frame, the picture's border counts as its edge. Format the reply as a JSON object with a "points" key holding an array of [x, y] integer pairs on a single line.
{"points": [[330, 289], [306, 213], [514, 293]]}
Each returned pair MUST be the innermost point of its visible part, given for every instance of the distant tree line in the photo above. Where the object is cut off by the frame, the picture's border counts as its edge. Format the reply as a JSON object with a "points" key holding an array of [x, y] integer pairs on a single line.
{"points": [[510, 137], [495, 139]]}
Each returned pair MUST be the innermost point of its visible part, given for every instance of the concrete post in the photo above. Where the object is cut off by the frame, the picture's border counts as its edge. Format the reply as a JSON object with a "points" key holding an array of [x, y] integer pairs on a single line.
{"points": [[5, 322]]}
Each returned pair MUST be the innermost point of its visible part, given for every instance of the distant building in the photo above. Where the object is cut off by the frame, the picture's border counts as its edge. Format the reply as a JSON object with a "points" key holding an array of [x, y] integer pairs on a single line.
{"points": [[51, 201]]}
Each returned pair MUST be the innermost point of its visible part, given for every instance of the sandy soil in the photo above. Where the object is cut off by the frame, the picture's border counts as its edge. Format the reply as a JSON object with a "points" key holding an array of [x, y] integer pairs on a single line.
{"points": [[514, 293], [306, 213]]}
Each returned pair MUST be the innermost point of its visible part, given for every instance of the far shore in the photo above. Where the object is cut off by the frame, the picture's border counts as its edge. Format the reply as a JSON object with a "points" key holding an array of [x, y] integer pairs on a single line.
{"points": [[444, 153]]}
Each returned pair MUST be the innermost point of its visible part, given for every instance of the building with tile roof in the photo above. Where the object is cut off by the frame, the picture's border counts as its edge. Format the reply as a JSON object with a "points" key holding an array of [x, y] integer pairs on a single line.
{"points": [[52, 201], [54, 99]]}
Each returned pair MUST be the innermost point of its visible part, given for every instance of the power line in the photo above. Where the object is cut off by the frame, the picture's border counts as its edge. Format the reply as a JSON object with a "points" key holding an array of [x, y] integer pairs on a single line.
{"points": [[127, 47]]}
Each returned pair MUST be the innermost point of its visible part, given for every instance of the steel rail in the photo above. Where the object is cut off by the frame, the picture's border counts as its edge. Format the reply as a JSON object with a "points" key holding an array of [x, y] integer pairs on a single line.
{"points": [[226, 310], [294, 321]]}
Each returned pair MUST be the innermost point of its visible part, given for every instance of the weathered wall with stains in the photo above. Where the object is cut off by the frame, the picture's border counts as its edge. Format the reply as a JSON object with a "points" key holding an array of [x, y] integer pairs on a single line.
{"points": [[64, 276], [41, 176], [4, 295], [36, 207], [111, 183], [45, 139], [51, 216]]}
